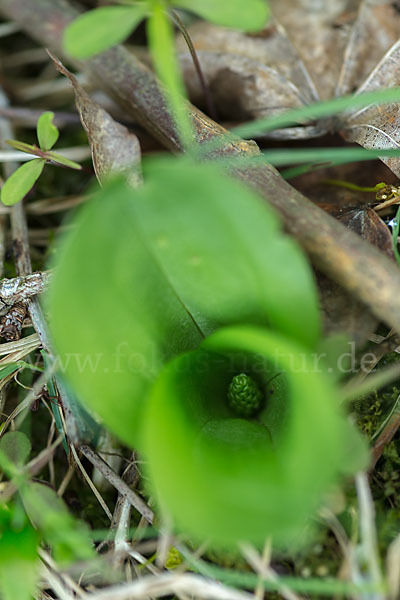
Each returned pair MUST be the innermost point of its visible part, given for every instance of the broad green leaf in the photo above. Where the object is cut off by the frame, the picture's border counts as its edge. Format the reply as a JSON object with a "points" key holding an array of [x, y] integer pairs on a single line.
{"points": [[21, 181], [19, 565], [58, 158], [16, 446], [22, 146], [135, 320], [68, 537], [224, 252], [47, 132], [232, 13], [147, 274], [102, 28], [230, 482], [162, 46]]}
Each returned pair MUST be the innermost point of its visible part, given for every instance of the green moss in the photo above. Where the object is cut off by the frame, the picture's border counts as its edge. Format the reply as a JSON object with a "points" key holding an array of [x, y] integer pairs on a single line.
{"points": [[371, 412]]}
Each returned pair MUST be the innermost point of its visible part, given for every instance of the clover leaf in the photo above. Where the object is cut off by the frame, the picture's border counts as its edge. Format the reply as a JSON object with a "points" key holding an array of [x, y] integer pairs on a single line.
{"points": [[21, 181]]}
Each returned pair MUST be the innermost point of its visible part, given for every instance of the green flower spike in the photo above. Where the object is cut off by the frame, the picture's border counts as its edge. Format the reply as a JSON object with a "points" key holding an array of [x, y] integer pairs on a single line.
{"points": [[244, 396]]}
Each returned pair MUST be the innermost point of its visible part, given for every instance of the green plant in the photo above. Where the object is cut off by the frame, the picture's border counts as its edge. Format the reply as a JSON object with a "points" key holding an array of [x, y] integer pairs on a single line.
{"points": [[208, 289], [25, 177], [189, 323], [104, 27]]}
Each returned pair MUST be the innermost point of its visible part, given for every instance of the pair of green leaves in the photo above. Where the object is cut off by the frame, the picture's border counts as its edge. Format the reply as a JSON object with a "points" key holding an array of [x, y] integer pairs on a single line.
{"points": [[102, 28], [163, 273], [149, 273], [25, 177]]}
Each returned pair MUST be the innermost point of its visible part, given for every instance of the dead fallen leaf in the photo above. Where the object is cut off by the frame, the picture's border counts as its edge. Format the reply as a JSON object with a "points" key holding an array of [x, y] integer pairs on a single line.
{"points": [[322, 50], [367, 223], [114, 148], [341, 313]]}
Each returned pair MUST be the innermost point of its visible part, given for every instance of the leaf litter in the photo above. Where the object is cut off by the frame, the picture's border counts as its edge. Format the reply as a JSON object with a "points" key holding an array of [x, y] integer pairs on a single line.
{"points": [[310, 51]]}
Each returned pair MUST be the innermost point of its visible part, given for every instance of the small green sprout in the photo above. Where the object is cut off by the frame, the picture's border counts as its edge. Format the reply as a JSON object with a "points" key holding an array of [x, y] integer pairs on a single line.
{"points": [[244, 395], [25, 177]]}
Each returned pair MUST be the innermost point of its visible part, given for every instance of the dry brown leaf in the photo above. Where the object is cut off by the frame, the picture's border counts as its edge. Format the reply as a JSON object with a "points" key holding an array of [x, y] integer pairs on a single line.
{"points": [[367, 223], [114, 148], [319, 31], [319, 49], [342, 313]]}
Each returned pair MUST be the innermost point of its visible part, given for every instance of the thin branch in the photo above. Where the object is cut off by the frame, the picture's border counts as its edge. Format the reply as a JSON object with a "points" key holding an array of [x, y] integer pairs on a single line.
{"points": [[369, 541], [266, 572], [91, 484], [19, 289], [76, 153], [388, 432], [120, 485], [393, 569], [156, 586]]}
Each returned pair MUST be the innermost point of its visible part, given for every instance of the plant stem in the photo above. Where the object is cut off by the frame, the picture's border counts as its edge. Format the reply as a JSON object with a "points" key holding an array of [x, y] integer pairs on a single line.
{"points": [[204, 85], [119, 484]]}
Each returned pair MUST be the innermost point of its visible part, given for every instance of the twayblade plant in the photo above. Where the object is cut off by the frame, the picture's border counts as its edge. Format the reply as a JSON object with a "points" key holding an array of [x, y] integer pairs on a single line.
{"points": [[201, 275], [190, 324], [198, 304], [25, 177]]}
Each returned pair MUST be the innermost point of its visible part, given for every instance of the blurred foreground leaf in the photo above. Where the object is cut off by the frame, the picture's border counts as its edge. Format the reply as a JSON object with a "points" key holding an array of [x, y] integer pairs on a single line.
{"points": [[18, 557], [102, 28]]}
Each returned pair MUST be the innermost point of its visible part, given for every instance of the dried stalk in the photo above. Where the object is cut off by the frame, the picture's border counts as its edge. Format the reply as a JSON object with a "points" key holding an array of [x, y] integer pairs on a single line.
{"points": [[19, 289], [352, 262], [156, 586], [119, 484]]}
